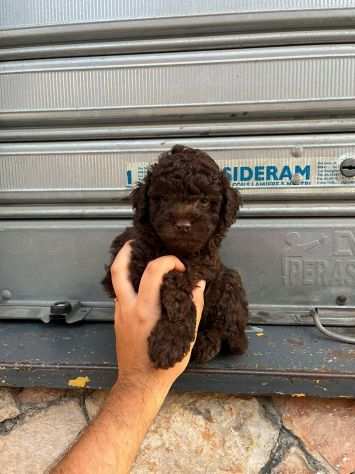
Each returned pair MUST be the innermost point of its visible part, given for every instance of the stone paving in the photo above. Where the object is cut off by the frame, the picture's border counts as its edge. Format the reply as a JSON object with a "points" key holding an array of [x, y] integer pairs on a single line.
{"points": [[194, 433]]}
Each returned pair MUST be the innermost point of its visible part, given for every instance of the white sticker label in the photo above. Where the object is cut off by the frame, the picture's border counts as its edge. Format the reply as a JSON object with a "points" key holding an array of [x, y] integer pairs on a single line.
{"points": [[264, 172], [135, 172]]}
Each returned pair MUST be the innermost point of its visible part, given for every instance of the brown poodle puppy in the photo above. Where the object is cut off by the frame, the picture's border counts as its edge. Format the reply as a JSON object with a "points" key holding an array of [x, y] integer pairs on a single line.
{"points": [[184, 207]]}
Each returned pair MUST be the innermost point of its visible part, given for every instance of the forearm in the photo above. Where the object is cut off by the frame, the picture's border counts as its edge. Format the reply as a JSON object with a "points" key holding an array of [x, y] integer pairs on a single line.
{"points": [[112, 441]]}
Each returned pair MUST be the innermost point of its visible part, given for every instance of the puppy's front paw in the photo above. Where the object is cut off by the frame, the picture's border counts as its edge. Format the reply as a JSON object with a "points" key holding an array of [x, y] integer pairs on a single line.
{"points": [[168, 344], [172, 336]]}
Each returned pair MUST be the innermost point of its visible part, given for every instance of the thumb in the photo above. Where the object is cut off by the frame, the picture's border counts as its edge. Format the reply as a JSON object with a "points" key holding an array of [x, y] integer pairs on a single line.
{"points": [[198, 299]]}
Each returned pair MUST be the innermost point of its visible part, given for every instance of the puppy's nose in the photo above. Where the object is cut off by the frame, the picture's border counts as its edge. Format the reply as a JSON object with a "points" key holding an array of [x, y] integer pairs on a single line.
{"points": [[183, 225]]}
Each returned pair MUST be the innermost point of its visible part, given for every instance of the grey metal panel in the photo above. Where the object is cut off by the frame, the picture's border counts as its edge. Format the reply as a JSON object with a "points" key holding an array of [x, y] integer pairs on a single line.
{"points": [[15, 13], [54, 29], [70, 211], [83, 170], [180, 129], [142, 87], [302, 262], [118, 211], [306, 196], [185, 43], [88, 312], [180, 26], [57, 22], [34, 354]]}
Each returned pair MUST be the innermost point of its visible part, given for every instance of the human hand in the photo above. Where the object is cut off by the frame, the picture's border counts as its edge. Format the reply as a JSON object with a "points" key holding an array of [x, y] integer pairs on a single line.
{"points": [[136, 316]]}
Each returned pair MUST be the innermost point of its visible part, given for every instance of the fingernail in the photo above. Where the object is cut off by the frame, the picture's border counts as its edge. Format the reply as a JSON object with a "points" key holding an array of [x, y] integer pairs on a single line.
{"points": [[202, 284]]}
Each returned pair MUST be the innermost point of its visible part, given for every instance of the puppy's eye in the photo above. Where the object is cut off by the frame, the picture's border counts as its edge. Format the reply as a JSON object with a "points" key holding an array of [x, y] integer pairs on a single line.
{"points": [[204, 202]]}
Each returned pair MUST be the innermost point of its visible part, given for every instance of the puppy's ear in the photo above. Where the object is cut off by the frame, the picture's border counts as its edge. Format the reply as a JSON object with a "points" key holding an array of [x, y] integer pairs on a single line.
{"points": [[140, 201], [228, 214], [230, 205]]}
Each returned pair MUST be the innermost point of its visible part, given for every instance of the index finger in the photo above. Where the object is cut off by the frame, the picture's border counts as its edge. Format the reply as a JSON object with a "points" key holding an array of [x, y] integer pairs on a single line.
{"points": [[120, 274], [149, 287]]}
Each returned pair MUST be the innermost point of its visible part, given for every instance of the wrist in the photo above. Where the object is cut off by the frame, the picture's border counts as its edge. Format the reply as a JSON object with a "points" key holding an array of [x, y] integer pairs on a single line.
{"points": [[142, 386]]}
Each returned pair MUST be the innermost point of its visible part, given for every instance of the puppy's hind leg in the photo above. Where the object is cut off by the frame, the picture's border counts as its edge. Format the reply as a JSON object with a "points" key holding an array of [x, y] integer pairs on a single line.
{"points": [[225, 320], [208, 344], [235, 307]]}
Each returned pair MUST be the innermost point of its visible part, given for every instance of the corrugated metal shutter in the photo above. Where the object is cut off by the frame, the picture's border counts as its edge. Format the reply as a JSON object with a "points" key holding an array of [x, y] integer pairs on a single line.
{"points": [[89, 96]]}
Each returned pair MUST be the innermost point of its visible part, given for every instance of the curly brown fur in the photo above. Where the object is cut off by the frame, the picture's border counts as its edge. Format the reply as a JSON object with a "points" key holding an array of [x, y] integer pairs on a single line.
{"points": [[184, 207]]}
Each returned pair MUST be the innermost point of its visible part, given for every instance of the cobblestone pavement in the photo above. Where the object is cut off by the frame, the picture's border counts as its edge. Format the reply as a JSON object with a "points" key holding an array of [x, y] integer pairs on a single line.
{"points": [[194, 433]]}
